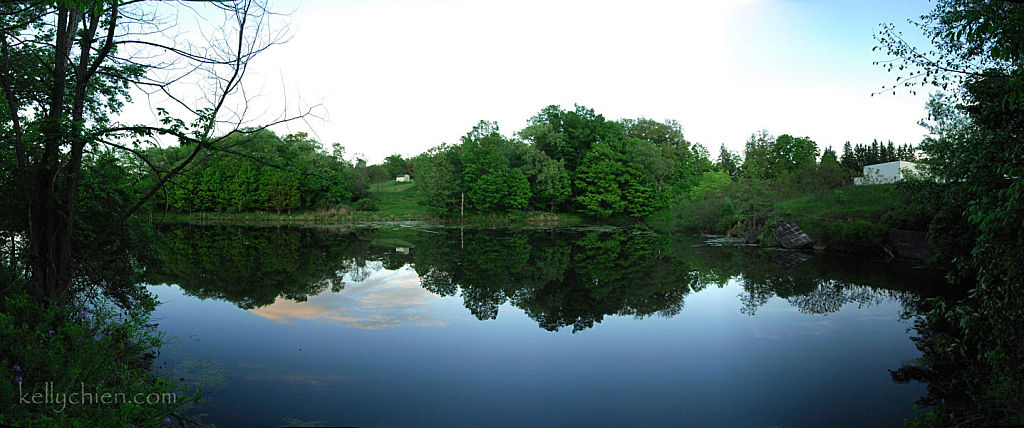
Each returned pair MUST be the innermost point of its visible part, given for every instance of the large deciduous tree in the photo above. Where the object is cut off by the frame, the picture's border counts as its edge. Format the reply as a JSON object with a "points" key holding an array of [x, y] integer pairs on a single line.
{"points": [[769, 157], [66, 71], [492, 182], [612, 182], [729, 162], [549, 181], [566, 135], [439, 183]]}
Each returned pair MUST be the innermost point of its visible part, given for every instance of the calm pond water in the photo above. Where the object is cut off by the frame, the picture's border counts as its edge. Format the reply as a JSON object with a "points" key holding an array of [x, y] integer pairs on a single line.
{"points": [[417, 326]]}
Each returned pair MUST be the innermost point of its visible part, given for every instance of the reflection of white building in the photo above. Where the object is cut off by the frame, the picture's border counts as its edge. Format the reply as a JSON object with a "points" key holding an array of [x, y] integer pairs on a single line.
{"points": [[402, 178], [888, 172]]}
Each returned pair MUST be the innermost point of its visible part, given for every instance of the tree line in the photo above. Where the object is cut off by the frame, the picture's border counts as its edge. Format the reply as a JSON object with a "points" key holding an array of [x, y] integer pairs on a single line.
{"points": [[572, 161], [563, 161], [258, 172], [857, 156], [576, 161]]}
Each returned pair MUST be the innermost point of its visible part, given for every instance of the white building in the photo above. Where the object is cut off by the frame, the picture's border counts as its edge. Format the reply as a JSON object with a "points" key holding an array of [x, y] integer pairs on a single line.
{"points": [[888, 172], [402, 178]]}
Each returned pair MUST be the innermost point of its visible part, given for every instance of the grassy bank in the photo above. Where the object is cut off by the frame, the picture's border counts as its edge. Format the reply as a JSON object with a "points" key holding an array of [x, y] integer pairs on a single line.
{"points": [[844, 204], [342, 215], [388, 202], [851, 218]]}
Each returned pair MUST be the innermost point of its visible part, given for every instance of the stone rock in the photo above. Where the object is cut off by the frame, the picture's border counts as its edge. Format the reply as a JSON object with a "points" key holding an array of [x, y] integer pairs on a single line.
{"points": [[791, 236]]}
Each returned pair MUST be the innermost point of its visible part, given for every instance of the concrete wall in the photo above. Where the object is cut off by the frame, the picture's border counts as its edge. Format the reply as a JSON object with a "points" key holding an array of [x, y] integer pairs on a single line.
{"points": [[910, 244]]}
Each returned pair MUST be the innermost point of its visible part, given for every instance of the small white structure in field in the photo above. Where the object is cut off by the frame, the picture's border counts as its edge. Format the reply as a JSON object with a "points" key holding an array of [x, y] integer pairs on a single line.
{"points": [[888, 172], [402, 178]]}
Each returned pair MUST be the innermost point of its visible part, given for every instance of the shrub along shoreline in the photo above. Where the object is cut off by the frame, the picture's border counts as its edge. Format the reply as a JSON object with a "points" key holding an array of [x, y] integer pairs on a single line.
{"points": [[853, 219], [83, 365], [344, 216]]}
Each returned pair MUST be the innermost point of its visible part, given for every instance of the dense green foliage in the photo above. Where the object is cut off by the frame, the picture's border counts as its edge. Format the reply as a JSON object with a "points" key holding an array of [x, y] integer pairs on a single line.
{"points": [[75, 349], [767, 157], [259, 171], [396, 165], [975, 213], [251, 266], [491, 175], [565, 161], [72, 165], [783, 177], [74, 177], [87, 342], [856, 156]]}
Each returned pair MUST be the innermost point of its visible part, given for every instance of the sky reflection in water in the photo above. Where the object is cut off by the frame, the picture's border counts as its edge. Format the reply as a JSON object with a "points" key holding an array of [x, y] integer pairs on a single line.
{"points": [[382, 350]]}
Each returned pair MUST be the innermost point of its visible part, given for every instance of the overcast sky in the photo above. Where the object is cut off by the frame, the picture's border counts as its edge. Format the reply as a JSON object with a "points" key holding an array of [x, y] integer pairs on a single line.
{"points": [[401, 76]]}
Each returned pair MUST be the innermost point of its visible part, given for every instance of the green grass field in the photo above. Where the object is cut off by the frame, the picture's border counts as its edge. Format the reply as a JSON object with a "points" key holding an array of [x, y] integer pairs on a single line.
{"points": [[394, 202], [850, 218], [867, 203], [397, 199], [392, 187]]}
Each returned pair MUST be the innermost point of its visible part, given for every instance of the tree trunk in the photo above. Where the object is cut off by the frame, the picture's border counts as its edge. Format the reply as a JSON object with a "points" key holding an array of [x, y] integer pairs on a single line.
{"points": [[52, 207], [50, 241]]}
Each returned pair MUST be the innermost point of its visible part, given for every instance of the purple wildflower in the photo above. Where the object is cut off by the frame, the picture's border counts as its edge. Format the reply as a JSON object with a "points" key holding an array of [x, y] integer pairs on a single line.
{"points": [[51, 332], [17, 379], [16, 368], [167, 420]]}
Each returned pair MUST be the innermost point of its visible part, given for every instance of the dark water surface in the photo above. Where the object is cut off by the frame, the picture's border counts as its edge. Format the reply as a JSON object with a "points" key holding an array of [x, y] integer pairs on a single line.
{"points": [[416, 326]]}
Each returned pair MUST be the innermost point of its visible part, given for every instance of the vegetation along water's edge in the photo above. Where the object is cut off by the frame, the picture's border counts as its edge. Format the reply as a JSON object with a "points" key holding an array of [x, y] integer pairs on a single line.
{"points": [[853, 219]]}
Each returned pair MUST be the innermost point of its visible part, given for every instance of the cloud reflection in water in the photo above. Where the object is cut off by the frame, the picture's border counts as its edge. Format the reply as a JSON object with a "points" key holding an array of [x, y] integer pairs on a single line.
{"points": [[385, 299]]}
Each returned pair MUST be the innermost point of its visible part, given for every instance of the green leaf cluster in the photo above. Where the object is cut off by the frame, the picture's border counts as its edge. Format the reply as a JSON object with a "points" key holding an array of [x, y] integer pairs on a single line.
{"points": [[78, 348], [973, 346], [259, 171], [564, 160]]}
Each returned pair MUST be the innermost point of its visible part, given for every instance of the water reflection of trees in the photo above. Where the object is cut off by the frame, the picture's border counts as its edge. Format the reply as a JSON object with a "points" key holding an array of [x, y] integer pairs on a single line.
{"points": [[252, 267], [577, 278], [558, 278], [963, 389], [812, 283]]}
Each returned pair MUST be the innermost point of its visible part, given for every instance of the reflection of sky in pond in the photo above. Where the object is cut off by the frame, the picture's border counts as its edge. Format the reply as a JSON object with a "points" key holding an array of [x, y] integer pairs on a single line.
{"points": [[384, 299], [382, 352]]}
